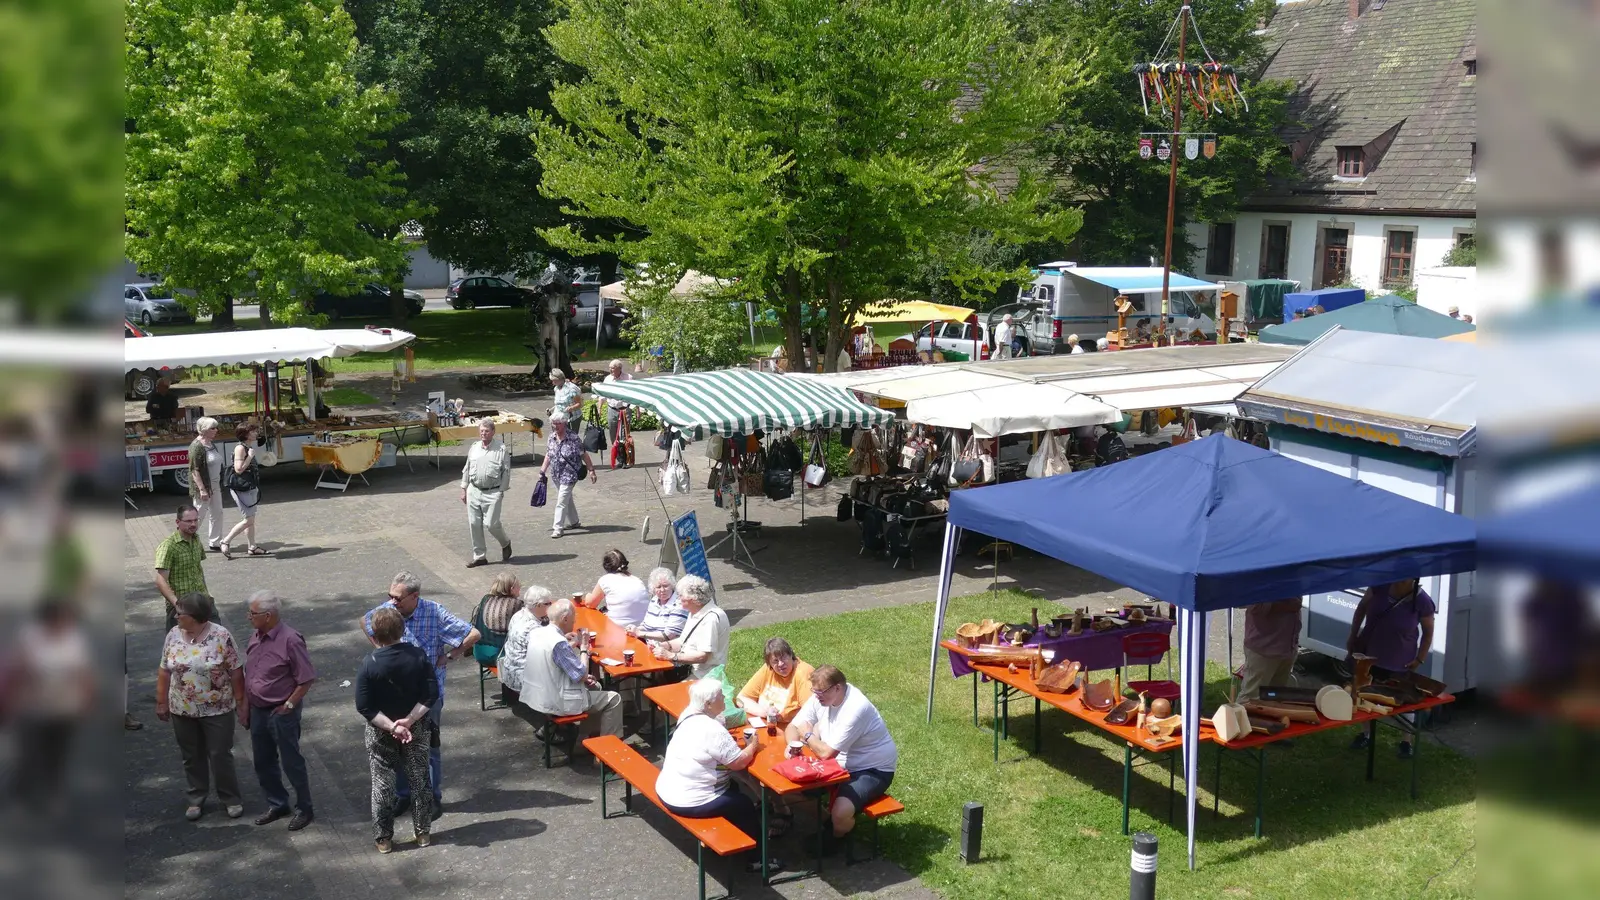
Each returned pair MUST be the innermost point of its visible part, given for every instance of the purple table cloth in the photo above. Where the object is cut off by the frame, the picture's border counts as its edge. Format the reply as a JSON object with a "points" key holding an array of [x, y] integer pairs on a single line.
{"points": [[1094, 649]]}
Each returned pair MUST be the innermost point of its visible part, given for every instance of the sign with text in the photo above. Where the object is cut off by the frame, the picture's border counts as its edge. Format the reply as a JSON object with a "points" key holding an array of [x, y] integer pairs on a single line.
{"points": [[691, 547]]}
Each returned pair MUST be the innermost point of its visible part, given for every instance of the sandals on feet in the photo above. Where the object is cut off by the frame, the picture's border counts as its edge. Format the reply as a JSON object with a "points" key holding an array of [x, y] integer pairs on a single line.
{"points": [[257, 551], [224, 550]]}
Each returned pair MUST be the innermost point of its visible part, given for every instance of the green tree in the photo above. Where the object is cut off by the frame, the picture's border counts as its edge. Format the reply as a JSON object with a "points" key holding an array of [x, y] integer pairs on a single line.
{"points": [[1092, 147], [247, 165], [466, 73], [60, 151], [816, 151], [702, 332]]}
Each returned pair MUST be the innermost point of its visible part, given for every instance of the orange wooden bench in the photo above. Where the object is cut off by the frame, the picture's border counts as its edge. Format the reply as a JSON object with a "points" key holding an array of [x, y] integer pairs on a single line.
{"points": [[881, 808], [549, 730], [638, 773]]}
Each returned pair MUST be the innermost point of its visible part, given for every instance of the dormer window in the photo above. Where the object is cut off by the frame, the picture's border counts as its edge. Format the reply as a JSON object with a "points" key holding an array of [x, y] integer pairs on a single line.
{"points": [[1471, 66], [1352, 162]]}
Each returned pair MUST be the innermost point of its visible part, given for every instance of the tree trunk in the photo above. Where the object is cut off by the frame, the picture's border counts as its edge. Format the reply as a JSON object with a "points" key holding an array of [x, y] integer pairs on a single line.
{"points": [[264, 313], [793, 344], [222, 317], [399, 309], [830, 362]]}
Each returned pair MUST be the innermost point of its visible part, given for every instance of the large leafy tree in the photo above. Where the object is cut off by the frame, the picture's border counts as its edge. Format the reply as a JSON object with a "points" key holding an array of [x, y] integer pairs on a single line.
{"points": [[466, 73], [60, 151], [815, 151], [1092, 147], [247, 159]]}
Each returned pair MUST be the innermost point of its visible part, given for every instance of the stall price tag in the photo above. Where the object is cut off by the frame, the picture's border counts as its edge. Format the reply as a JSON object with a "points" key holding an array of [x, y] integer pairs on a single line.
{"points": [[691, 547]]}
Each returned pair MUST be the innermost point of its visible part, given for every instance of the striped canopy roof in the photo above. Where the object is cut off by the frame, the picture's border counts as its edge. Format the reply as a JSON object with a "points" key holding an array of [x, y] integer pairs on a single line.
{"points": [[741, 401]]}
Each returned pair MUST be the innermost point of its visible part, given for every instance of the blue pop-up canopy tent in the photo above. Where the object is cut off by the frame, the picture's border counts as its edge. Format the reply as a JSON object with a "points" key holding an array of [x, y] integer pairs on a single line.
{"points": [[1558, 539], [1212, 524]]}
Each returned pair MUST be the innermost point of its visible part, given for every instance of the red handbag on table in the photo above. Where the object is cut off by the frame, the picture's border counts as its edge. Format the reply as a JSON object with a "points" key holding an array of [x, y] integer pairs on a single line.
{"points": [[809, 770]]}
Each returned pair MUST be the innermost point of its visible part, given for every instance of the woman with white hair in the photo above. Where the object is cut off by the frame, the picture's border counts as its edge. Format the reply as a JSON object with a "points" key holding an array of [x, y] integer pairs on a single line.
{"points": [[704, 643], [569, 399], [534, 613], [665, 616], [694, 781], [205, 479], [618, 425], [1072, 344]]}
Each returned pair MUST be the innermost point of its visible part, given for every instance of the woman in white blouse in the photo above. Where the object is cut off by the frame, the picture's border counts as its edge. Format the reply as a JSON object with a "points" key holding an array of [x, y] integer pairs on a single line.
{"points": [[704, 643], [694, 781], [621, 594]]}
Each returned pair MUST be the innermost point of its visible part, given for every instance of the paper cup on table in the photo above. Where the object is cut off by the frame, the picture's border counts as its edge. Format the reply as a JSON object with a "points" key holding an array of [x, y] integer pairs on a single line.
{"points": [[749, 735], [795, 748], [627, 657]]}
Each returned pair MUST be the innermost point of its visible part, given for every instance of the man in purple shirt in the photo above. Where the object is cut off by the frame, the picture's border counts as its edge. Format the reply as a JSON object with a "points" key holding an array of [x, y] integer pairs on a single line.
{"points": [[1271, 643], [1393, 624], [277, 675]]}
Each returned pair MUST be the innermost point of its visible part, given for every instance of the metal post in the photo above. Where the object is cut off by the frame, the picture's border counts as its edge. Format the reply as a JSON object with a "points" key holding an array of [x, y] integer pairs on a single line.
{"points": [[1172, 173], [1142, 878]]}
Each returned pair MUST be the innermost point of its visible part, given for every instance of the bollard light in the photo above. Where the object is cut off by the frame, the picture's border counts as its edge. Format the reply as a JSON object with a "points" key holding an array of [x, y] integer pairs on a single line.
{"points": [[971, 832], [1142, 879]]}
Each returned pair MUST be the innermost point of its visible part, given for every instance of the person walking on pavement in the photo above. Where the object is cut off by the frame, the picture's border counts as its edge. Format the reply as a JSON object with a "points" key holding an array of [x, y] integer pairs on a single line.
{"points": [[205, 478], [566, 459], [484, 480], [569, 399], [442, 636], [277, 675], [178, 562]]}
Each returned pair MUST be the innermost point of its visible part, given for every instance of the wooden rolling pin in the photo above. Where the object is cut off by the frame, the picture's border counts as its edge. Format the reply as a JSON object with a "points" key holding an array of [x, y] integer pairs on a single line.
{"points": [[1275, 711]]}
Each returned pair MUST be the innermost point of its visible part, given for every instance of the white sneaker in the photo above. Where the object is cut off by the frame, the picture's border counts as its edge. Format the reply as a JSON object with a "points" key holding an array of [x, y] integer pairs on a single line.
{"points": [[555, 532], [235, 811]]}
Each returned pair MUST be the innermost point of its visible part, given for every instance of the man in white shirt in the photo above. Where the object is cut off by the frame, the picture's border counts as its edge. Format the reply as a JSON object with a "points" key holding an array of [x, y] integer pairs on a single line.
{"points": [[839, 721], [484, 480], [1003, 336], [616, 410]]}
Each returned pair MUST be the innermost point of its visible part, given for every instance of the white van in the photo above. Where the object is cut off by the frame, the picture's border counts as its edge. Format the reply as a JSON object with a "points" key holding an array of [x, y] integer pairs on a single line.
{"points": [[1081, 300]]}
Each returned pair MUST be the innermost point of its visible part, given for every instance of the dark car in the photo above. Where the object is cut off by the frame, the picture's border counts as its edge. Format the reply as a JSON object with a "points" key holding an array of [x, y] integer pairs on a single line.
{"points": [[583, 312], [485, 290], [368, 300]]}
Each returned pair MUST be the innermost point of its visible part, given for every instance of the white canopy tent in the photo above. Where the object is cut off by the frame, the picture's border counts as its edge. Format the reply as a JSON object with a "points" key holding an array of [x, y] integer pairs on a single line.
{"points": [[253, 348], [1012, 409]]}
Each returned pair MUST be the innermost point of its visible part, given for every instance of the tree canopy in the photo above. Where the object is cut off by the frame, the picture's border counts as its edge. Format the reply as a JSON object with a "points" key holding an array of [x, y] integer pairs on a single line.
{"points": [[466, 74], [247, 157], [815, 151], [1092, 146]]}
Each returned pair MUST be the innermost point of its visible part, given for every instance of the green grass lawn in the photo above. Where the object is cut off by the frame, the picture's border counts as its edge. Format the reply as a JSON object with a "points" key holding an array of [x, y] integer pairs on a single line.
{"points": [[1052, 822]]}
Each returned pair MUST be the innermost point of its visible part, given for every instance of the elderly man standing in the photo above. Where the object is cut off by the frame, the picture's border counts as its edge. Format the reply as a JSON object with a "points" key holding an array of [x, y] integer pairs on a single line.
{"points": [[556, 679], [277, 675], [1003, 336], [443, 636], [484, 480], [178, 562], [163, 404]]}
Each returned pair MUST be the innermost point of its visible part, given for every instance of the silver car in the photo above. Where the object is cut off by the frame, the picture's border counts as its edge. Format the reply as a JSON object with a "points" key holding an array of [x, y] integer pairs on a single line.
{"points": [[148, 303]]}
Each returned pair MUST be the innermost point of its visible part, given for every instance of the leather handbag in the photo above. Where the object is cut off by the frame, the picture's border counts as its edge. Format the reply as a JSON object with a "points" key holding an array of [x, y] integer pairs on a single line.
{"points": [[778, 484], [817, 466], [847, 508], [716, 446], [594, 437]]}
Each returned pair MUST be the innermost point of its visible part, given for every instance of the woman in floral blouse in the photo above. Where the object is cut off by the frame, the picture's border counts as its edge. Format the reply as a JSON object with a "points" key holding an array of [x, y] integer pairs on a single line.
{"points": [[566, 459], [200, 687]]}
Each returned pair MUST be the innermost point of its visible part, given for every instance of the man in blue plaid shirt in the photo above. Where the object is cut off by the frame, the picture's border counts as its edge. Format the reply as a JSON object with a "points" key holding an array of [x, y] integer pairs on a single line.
{"points": [[443, 636]]}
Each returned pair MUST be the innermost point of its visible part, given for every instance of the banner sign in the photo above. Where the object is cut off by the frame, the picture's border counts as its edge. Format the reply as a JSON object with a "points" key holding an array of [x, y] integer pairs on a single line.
{"points": [[691, 547], [1147, 148]]}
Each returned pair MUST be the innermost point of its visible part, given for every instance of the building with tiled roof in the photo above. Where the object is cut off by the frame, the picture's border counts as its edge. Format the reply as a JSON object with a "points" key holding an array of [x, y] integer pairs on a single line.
{"points": [[1384, 139]]}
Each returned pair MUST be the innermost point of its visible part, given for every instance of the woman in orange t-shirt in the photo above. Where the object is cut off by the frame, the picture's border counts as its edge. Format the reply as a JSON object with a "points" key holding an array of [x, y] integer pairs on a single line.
{"points": [[780, 687]]}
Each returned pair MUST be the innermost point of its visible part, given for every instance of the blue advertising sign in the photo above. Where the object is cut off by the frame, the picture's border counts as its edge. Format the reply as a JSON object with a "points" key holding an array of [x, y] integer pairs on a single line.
{"points": [[691, 548]]}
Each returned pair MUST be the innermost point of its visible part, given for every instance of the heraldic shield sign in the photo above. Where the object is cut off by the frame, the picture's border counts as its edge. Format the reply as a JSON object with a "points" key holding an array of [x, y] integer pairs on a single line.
{"points": [[1146, 148], [1208, 147], [1164, 150], [1191, 148]]}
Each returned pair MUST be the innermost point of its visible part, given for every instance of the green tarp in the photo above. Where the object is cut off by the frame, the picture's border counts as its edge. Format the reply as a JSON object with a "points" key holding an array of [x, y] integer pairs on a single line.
{"points": [[1263, 298], [1383, 315]]}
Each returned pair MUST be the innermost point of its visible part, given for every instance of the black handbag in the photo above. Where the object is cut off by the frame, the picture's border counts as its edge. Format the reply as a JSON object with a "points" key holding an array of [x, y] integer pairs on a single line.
{"points": [[594, 437], [847, 508], [897, 538], [966, 471], [785, 454], [778, 484]]}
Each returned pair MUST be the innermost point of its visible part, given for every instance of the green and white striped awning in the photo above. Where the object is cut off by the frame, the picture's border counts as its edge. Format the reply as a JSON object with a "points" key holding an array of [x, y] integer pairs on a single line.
{"points": [[741, 401]]}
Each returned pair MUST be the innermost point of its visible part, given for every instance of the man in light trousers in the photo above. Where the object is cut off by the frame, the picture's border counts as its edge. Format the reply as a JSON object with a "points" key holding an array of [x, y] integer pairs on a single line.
{"points": [[484, 480]]}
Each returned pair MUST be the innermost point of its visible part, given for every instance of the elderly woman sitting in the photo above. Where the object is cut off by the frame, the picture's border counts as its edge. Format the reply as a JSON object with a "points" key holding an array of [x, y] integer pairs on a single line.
{"points": [[493, 617], [694, 781], [535, 613], [621, 594], [665, 616], [704, 643], [780, 687]]}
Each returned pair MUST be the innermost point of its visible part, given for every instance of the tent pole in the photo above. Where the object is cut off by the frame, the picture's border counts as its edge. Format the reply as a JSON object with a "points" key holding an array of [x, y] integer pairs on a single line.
{"points": [[946, 571], [1192, 641]]}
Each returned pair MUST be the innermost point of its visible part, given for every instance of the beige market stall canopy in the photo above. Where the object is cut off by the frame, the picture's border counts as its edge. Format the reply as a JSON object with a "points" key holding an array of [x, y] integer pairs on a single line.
{"points": [[242, 348], [1005, 396]]}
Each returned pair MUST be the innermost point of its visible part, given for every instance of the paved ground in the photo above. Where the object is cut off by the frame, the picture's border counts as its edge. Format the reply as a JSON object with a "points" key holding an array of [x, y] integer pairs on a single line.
{"points": [[510, 824]]}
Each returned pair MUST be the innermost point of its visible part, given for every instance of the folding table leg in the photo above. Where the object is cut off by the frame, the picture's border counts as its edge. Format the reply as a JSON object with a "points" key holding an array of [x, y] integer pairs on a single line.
{"points": [[764, 875], [1416, 751], [1372, 746], [1036, 717], [975, 679], [1216, 785], [1261, 785], [1172, 784], [996, 720], [1127, 777]]}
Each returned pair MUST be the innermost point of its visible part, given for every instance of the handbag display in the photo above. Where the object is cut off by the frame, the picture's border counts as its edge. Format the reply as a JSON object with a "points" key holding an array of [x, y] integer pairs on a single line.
{"points": [[785, 454], [809, 769], [1049, 460], [847, 508], [541, 492], [674, 473], [778, 484], [594, 436], [716, 447], [865, 457], [817, 465]]}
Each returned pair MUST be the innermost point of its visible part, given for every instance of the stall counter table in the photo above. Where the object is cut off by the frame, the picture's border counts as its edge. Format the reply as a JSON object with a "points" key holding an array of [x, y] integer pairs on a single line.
{"points": [[351, 460], [508, 430], [672, 699]]}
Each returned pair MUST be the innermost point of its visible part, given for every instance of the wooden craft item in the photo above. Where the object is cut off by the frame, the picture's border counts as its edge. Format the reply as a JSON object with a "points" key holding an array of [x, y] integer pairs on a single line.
{"points": [[1061, 678], [1099, 696], [1160, 708], [1003, 656], [1166, 728], [975, 634], [1422, 683], [1263, 725], [1363, 672], [1279, 693], [1334, 704], [1368, 706], [1122, 712], [1279, 711]]}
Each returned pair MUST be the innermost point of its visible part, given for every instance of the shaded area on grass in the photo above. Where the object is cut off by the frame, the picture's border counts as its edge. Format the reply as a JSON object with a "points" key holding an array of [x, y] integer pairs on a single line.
{"points": [[1055, 818]]}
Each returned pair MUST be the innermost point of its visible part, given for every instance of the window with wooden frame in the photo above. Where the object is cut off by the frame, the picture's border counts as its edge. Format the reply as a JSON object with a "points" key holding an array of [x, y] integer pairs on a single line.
{"points": [[1219, 249], [1399, 254], [1352, 162]]}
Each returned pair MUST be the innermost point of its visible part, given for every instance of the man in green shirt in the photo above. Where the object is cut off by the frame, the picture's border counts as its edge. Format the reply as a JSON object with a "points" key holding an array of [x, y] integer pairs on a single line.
{"points": [[178, 560]]}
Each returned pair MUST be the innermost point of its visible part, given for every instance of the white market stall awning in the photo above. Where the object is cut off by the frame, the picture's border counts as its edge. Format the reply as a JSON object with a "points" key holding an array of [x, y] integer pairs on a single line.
{"points": [[1138, 279], [239, 348], [1012, 409], [741, 401]]}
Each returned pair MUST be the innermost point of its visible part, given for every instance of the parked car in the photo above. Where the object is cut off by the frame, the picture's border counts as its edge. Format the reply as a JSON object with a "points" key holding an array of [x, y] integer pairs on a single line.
{"points": [[147, 303], [583, 313], [368, 300], [485, 290], [141, 384], [1026, 317], [952, 336]]}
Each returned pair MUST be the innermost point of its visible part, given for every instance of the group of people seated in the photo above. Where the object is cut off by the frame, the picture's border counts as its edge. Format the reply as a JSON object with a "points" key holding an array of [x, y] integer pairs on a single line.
{"points": [[544, 669]]}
